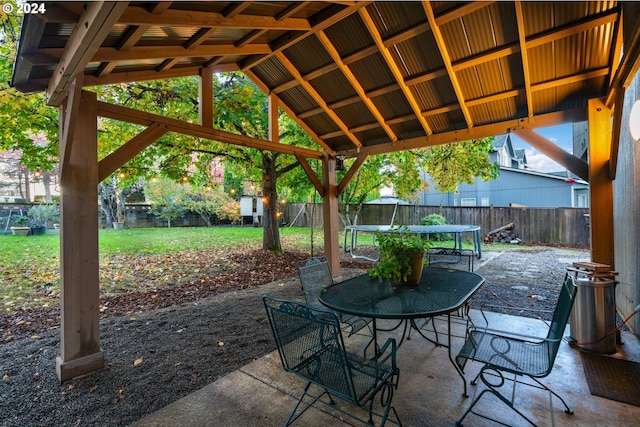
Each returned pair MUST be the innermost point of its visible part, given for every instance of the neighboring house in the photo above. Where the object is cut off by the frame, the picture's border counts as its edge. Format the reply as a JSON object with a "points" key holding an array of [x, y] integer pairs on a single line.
{"points": [[516, 185]]}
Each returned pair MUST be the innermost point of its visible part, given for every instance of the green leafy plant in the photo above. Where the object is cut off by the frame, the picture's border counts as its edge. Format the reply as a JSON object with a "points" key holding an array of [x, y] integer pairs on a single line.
{"points": [[395, 246], [436, 219], [20, 220], [41, 214]]}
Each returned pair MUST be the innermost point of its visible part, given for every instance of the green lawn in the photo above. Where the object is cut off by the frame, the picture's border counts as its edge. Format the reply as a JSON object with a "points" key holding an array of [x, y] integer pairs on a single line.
{"points": [[134, 258], [29, 266]]}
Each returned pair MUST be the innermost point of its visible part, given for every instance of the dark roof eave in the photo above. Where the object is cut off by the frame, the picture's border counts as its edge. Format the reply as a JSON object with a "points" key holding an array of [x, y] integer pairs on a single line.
{"points": [[31, 29]]}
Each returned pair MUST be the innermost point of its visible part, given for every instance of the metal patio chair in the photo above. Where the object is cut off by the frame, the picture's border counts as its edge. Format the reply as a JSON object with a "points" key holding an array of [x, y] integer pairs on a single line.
{"points": [[504, 352], [314, 276], [310, 345]]}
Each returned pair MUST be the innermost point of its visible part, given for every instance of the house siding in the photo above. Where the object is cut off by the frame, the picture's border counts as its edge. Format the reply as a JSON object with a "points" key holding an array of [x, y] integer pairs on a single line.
{"points": [[513, 187]]}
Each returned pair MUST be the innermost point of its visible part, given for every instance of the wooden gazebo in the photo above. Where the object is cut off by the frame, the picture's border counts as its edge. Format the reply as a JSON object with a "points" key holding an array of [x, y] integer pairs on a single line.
{"points": [[362, 78]]}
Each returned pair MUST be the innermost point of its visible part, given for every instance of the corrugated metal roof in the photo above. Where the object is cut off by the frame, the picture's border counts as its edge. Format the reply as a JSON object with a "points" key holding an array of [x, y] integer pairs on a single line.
{"points": [[396, 68]]}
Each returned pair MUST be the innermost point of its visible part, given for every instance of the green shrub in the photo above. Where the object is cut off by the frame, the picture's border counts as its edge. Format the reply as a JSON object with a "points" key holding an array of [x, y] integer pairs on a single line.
{"points": [[436, 219]]}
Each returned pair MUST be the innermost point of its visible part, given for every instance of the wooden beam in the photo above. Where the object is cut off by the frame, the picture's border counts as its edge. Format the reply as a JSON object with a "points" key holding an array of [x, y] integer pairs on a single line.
{"points": [[482, 131], [94, 26], [130, 115], [188, 18], [140, 76], [600, 185], [129, 150], [205, 97], [139, 53], [555, 153], [346, 179], [311, 174]]}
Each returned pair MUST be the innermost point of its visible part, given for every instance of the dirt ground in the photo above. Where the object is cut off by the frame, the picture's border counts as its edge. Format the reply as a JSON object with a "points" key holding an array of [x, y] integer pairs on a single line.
{"points": [[155, 356]]}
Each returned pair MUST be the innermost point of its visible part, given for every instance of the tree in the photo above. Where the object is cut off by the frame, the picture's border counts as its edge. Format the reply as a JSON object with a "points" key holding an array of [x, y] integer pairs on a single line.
{"points": [[211, 203], [167, 199], [29, 126]]}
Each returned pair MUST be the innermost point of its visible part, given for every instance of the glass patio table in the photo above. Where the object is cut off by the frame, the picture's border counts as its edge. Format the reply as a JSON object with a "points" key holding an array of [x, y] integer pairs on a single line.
{"points": [[441, 291]]}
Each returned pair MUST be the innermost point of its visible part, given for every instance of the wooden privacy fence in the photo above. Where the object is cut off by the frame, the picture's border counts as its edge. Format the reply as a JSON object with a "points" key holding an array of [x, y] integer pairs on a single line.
{"points": [[565, 226]]}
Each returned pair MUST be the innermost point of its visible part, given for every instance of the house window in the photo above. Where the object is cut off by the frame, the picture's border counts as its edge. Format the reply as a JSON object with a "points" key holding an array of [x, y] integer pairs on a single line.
{"points": [[484, 201], [468, 201], [582, 201]]}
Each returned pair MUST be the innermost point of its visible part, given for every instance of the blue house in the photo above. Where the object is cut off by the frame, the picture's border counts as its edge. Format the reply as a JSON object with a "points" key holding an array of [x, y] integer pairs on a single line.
{"points": [[516, 185]]}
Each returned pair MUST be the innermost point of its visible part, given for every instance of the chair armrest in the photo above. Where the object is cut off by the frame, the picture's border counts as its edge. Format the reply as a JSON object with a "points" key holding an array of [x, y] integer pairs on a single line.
{"points": [[510, 335], [388, 350]]}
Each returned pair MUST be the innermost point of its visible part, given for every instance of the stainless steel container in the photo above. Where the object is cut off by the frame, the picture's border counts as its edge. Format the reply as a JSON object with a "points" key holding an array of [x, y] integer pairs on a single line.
{"points": [[594, 315]]}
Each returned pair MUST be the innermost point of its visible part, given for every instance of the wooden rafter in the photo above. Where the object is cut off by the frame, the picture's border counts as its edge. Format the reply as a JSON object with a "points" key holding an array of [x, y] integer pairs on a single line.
{"points": [[574, 28], [288, 12], [97, 21], [291, 114], [524, 56], [444, 52], [131, 37], [475, 101], [290, 39], [355, 84], [393, 67], [317, 98]]}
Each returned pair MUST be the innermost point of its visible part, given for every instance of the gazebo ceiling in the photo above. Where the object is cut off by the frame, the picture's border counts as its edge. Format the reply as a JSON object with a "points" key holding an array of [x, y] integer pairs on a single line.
{"points": [[371, 76]]}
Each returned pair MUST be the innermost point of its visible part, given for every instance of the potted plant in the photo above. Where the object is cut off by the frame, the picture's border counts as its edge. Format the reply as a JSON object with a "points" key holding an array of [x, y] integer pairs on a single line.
{"points": [[21, 226], [401, 256], [40, 215]]}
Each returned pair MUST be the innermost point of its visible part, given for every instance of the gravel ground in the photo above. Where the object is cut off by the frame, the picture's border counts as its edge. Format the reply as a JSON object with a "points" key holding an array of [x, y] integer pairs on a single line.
{"points": [[156, 357]]}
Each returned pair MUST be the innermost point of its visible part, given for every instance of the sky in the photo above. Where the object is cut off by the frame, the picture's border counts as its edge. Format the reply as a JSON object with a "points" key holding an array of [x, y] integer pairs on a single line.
{"points": [[561, 135]]}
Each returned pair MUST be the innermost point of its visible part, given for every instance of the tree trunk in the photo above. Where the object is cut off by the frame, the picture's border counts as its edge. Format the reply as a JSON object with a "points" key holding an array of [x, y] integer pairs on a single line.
{"points": [[270, 229]]}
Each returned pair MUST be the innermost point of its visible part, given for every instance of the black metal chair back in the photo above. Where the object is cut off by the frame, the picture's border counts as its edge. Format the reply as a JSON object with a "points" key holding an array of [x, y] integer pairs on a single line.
{"points": [[315, 275], [310, 345]]}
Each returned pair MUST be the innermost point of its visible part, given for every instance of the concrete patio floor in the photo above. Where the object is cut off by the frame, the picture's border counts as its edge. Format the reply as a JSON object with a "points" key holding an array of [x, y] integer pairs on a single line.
{"points": [[430, 392]]}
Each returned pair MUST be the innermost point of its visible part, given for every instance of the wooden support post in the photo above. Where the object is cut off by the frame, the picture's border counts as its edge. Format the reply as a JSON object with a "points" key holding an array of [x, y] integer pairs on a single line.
{"points": [[330, 212], [600, 184], [206, 97], [80, 351]]}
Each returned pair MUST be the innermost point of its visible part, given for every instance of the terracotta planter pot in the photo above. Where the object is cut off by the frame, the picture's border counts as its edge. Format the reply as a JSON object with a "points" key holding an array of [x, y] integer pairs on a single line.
{"points": [[416, 262]]}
